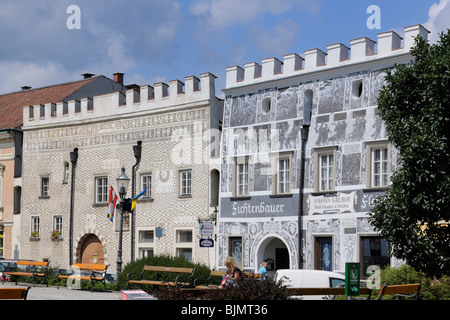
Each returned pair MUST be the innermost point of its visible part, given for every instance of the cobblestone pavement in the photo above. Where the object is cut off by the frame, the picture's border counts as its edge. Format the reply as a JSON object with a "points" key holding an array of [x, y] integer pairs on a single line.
{"points": [[41, 292]]}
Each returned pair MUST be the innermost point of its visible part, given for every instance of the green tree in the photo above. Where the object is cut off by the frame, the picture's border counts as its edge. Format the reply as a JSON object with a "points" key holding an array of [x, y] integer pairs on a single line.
{"points": [[414, 213]]}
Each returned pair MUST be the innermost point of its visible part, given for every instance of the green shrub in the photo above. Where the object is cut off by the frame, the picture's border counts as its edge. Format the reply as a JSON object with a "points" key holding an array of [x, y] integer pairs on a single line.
{"points": [[432, 288], [249, 288]]}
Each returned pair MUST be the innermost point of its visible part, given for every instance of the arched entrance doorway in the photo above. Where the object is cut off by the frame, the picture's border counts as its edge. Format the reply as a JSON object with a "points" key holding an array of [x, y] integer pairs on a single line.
{"points": [[91, 250], [275, 249]]}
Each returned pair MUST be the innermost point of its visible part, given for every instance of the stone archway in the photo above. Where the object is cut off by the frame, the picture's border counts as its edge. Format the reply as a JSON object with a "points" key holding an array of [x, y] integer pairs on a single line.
{"points": [[91, 250], [274, 248]]}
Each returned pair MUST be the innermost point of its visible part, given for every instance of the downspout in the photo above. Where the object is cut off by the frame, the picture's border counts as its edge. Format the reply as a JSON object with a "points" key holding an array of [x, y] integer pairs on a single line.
{"points": [[137, 154], [304, 131], [73, 160]]}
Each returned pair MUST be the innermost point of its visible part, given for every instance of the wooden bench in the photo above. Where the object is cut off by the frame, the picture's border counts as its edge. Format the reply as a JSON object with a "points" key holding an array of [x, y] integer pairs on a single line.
{"points": [[25, 268], [400, 291], [214, 273], [14, 293], [335, 291], [83, 271], [183, 279]]}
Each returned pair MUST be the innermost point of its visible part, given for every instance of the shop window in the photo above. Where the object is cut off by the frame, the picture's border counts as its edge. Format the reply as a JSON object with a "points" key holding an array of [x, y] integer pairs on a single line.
{"points": [[324, 253], [374, 251]]}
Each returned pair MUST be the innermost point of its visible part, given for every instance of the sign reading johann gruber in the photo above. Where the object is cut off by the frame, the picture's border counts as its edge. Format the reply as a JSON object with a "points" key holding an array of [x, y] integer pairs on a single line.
{"points": [[259, 206]]}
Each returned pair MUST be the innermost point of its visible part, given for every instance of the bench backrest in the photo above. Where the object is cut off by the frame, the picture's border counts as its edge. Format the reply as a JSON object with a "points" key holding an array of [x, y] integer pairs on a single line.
{"points": [[399, 289], [169, 269], [91, 266], [32, 263], [13, 293]]}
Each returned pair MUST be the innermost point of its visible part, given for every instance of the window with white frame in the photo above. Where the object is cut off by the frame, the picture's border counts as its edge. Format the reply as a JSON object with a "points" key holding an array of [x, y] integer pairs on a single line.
{"points": [[184, 244], [146, 240], [241, 177], [325, 162], [57, 226], [146, 181], [282, 175], [185, 183], [377, 165], [101, 190], [35, 226], [45, 185]]}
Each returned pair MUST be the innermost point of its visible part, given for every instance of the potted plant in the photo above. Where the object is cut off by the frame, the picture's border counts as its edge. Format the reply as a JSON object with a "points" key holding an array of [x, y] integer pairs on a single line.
{"points": [[56, 234], [35, 234]]}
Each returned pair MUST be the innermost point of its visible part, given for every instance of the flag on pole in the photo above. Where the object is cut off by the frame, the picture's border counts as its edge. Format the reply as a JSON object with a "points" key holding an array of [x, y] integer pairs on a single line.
{"points": [[135, 199], [112, 201]]}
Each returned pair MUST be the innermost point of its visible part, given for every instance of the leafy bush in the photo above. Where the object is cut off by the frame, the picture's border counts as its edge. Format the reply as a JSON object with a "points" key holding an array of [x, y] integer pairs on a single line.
{"points": [[249, 288], [432, 288]]}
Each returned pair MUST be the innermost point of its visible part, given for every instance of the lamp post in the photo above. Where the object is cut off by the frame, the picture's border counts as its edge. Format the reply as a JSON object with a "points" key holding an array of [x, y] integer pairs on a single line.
{"points": [[122, 184]]}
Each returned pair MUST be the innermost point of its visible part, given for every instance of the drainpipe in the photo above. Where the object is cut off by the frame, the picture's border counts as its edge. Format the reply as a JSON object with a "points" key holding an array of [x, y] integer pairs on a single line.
{"points": [[304, 131], [73, 160], [137, 154]]}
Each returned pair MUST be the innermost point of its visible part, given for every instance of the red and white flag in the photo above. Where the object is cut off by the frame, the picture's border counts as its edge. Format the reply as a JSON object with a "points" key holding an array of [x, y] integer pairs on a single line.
{"points": [[112, 201]]}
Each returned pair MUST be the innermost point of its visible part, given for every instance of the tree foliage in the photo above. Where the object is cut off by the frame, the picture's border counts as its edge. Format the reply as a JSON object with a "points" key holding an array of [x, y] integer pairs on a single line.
{"points": [[414, 213]]}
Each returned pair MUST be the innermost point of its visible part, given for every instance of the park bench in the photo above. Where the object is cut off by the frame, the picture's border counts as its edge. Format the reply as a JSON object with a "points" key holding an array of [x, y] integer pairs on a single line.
{"points": [[400, 291], [14, 293], [214, 273], [25, 268], [327, 291], [83, 271], [183, 279]]}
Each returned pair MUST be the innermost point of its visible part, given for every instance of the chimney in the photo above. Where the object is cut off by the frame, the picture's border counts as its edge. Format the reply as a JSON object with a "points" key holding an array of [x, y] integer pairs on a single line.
{"points": [[87, 75], [24, 88], [118, 77]]}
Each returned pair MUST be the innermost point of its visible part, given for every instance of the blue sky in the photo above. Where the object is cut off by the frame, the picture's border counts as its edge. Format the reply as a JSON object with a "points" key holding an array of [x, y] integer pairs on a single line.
{"points": [[153, 41]]}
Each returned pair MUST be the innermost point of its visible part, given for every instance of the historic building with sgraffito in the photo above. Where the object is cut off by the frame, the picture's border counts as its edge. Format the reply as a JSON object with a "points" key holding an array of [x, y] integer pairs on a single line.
{"points": [[305, 154], [73, 152]]}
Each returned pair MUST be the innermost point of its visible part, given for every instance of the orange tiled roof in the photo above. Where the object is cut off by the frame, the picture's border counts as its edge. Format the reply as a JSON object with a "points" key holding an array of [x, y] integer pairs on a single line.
{"points": [[11, 104]]}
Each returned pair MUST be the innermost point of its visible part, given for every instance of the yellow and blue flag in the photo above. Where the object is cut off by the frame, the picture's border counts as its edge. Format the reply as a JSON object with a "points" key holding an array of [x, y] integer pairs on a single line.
{"points": [[135, 199]]}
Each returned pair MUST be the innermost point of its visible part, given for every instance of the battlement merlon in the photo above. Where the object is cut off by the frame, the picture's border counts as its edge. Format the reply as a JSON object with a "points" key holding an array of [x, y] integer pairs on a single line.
{"points": [[361, 49], [146, 98]]}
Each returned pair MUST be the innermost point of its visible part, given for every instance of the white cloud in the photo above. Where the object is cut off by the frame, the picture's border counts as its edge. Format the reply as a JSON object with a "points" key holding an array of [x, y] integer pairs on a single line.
{"points": [[438, 19], [116, 36], [220, 14], [278, 40], [15, 74]]}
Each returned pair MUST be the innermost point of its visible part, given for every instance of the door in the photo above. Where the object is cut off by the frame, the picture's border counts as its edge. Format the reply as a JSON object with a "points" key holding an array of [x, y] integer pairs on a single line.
{"points": [[92, 250], [281, 258]]}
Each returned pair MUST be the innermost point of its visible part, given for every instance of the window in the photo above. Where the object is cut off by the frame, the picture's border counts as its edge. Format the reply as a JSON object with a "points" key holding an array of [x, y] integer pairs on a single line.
{"points": [[2, 169], [101, 190], [283, 175], [57, 225], [241, 177], [325, 160], [45, 182], [326, 164], [146, 242], [235, 250], [377, 165], [35, 225], [324, 253], [374, 251], [146, 180], [185, 183], [1, 244], [184, 244]]}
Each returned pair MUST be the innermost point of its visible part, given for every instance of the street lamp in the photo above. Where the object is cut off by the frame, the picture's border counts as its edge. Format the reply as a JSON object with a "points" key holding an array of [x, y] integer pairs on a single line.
{"points": [[122, 184]]}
